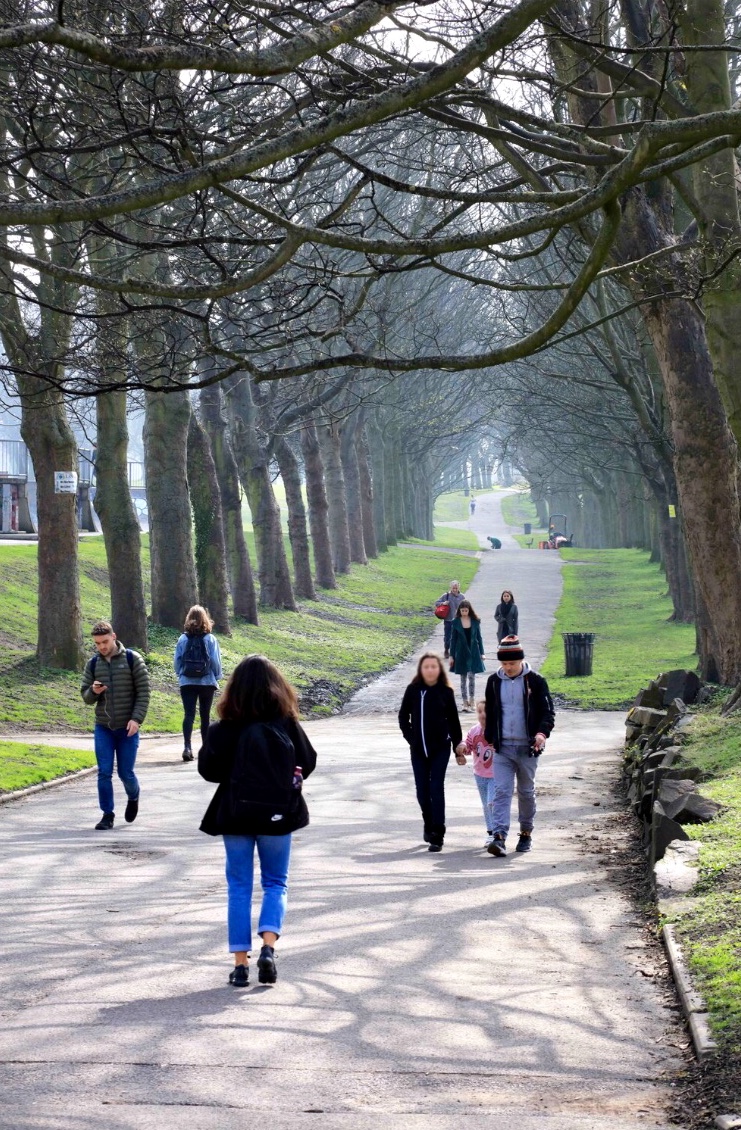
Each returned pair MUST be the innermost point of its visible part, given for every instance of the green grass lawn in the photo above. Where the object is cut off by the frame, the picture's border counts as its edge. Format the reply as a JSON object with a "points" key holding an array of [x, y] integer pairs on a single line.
{"points": [[376, 616], [518, 509], [447, 537], [620, 596], [22, 765], [710, 926], [451, 507]]}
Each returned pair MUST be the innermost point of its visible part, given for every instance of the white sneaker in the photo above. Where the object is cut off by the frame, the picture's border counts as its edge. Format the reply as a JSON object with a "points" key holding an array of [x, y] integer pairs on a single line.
{"points": [[489, 838]]}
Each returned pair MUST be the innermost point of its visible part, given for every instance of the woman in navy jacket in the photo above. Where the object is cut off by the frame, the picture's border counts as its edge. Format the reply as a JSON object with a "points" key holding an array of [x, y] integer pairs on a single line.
{"points": [[429, 721]]}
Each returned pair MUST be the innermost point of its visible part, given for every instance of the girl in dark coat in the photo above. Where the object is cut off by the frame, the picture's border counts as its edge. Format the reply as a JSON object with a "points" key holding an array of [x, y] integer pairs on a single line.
{"points": [[506, 616], [259, 755], [429, 721], [467, 651]]}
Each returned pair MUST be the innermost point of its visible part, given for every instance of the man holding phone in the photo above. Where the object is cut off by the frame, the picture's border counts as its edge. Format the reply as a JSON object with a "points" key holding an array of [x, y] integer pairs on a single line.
{"points": [[116, 681]]}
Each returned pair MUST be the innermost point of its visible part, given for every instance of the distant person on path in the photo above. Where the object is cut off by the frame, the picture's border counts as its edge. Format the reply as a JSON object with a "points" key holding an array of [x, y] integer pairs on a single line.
{"points": [[506, 616], [116, 680], [259, 755], [429, 721], [453, 597], [467, 651], [519, 719], [483, 756], [198, 668], [472, 507]]}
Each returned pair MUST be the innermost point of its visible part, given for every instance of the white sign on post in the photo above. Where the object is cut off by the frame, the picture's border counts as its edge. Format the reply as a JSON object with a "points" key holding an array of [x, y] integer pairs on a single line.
{"points": [[65, 482]]}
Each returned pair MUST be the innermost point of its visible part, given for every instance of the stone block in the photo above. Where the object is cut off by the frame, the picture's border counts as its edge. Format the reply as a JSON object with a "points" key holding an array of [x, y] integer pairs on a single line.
{"points": [[645, 716], [663, 831], [675, 710], [670, 755], [679, 684], [673, 794], [651, 696], [698, 809], [677, 872]]}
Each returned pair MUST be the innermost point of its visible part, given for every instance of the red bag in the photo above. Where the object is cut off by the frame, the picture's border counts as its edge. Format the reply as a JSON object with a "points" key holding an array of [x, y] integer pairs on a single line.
{"points": [[442, 610]]}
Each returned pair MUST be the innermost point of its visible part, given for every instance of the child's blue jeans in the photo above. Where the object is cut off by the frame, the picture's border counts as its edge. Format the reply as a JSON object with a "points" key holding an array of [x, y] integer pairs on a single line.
{"points": [[486, 792]]}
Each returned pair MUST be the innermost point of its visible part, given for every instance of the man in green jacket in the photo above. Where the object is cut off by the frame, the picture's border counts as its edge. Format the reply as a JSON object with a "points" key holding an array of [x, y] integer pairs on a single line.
{"points": [[116, 680]]}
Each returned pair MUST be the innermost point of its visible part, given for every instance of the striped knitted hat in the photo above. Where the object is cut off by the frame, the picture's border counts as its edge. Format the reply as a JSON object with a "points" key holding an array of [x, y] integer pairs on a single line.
{"points": [[510, 648]]}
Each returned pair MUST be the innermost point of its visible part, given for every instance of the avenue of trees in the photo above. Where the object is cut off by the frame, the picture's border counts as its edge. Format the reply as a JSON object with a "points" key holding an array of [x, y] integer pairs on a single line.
{"points": [[360, 243]]}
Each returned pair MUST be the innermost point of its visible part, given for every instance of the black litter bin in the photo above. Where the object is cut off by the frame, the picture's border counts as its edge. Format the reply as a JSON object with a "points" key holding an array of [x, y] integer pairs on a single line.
{"points": [[528, 527], [579, 649]]}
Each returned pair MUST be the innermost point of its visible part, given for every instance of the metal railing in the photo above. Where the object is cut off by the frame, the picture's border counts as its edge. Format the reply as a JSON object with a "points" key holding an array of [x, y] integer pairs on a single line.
{"points": [[13, 459], [136, 476]]}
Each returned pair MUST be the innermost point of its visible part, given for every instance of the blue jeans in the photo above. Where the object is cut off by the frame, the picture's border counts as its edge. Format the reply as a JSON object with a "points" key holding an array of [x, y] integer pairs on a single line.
{"points": [[512, 762], [274, 853], [447, 632], [110, 743], [486, 792]]}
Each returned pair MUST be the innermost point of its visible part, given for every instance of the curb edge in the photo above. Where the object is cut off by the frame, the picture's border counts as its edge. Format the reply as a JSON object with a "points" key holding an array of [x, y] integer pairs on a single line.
{"points": [[693, 1006]]}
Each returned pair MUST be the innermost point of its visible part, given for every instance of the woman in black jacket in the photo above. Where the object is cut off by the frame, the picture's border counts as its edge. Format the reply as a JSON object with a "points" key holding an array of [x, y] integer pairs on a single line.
{"points": [[506, 616], [259, 755], [429, 721]]}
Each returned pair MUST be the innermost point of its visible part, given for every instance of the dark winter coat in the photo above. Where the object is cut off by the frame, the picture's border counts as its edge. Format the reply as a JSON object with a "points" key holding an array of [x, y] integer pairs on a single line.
{"points": [[428, 718], [540, 713], [127, 697], [466, 659], [506, 617], [215, 763]]}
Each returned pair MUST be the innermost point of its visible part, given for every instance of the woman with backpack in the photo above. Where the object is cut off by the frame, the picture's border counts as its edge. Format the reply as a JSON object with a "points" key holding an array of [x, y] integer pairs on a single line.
{"points": [[428, 719], [198, 668], [259, 755]]}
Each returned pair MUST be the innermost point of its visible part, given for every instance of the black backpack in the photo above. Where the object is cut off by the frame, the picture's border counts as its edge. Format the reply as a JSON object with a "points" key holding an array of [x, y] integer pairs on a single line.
{"points": [[129, 660], [261, 790], [195, 658]]}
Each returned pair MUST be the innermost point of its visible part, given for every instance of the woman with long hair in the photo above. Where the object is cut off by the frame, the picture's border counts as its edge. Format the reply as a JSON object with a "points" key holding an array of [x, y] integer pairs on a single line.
{"points": [[198, 668], [429, 721], [259, 755], [506, 616], [467, 651]]}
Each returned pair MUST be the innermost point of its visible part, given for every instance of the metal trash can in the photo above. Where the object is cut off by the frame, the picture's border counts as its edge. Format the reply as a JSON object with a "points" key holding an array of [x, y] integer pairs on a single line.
{"points": [[579, 649], [528, 527]]}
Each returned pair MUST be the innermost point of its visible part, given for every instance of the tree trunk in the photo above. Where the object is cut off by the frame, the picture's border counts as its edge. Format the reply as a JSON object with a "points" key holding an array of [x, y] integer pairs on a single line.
{"points": [[213, 589], [378, 465], [241, 580], [367, 499], [339, 532], [48, 436], [316, 497], [254, 472], [173, 569], [297, 531], [351, 476]]}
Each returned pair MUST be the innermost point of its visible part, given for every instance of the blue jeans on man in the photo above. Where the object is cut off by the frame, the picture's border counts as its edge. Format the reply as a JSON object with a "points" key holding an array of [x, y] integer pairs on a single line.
{"points": [[274, 854], [110, 744], [513, 763]]}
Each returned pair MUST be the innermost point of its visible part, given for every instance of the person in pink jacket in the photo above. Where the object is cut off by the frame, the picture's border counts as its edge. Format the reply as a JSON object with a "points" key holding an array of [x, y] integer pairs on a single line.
{"points": [[482, 753]]}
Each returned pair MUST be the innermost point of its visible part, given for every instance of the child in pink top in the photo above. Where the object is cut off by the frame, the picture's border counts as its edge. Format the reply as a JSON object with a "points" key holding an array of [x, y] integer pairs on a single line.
{"points": [[482, 753]]}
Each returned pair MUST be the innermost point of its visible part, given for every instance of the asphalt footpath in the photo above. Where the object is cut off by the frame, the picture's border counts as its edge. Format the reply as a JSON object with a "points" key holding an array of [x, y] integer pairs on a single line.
{"points": [[415, 990]]}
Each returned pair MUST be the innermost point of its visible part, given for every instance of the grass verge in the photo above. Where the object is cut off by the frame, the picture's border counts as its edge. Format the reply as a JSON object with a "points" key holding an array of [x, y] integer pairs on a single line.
{"points": [[710, 924], [451, 507], [22, 765], [518, 509], [377, 614], [620, 595]]}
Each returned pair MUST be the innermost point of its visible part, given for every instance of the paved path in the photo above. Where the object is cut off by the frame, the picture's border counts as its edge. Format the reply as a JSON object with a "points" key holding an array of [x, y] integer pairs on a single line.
{"points": [[416, 991]]}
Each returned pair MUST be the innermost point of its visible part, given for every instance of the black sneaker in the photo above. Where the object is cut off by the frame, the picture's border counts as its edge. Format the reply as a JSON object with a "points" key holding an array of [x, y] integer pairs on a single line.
{"points": [[435, 847], [426, 836], [187, 754], [240, 977], [525, 842], [267, 974], [497, 845], [105, 823], [132, 811]]}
